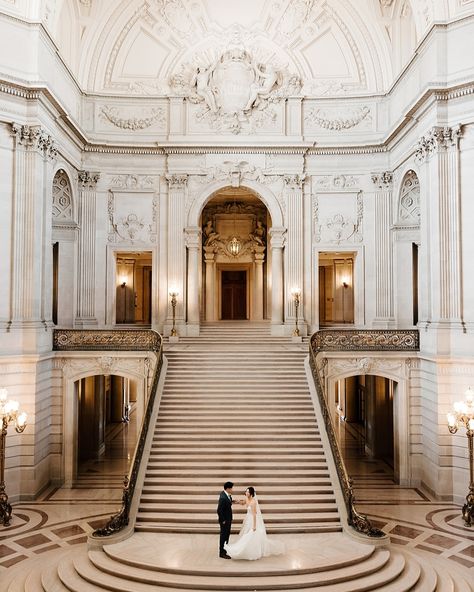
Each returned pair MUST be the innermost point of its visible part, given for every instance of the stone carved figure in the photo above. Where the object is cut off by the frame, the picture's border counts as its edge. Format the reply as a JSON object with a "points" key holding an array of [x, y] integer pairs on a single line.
{"points": [[266, 79], [202, 81], [258, 235], [210, 235]]}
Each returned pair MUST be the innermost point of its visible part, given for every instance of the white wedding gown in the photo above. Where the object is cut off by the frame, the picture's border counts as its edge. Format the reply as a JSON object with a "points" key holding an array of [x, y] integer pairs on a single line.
{"points": [[253, 544]]}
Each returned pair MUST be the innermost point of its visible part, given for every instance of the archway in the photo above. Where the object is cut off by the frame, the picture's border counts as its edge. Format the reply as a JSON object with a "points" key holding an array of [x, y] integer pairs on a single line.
{"points": [[235, 259], [262, 242]]}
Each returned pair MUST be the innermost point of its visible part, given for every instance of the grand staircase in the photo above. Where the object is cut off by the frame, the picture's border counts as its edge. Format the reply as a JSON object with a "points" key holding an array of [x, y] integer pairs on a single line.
{"points": [[236, 405]]}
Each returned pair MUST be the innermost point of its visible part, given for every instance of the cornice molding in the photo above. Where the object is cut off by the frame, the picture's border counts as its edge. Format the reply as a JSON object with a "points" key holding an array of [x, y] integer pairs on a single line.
{"points": [[20, 90]]}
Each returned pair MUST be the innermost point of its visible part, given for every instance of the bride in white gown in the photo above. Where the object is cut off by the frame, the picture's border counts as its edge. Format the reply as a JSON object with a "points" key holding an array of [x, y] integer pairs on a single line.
{"points": [[253, 542]]}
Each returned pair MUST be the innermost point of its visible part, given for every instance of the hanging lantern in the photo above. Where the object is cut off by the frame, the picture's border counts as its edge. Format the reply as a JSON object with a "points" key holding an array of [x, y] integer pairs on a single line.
{"points": [[234, 247]]}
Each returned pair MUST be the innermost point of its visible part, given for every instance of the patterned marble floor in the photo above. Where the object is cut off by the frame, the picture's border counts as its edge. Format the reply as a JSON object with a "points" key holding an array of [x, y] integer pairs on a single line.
{"points": [[62, 517]]}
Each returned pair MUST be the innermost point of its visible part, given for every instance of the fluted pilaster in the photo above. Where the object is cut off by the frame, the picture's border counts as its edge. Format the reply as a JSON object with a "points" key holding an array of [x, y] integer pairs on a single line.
{"points": [[384, 314], [177, 186], [193, 243], [33, 146], [294, 252], [439, 151], [86, 256], [277, 242]]}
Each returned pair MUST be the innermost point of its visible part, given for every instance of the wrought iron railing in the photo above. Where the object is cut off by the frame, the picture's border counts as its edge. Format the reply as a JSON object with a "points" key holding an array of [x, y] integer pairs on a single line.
{"points": [[353, 340], [119, 340]]}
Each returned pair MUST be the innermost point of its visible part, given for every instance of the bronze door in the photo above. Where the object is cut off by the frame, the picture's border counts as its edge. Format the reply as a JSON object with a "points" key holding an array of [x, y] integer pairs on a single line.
{"points": [[234, 295]]}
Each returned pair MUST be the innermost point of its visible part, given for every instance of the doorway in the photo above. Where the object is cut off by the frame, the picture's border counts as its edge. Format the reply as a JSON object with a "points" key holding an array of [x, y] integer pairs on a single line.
{"points": [[134, 288], [234, 295], [365, 424], [336, 288]]}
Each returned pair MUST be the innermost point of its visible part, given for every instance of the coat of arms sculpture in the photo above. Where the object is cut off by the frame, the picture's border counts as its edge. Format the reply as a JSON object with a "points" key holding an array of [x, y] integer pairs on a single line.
{"points": [[235, 89]]}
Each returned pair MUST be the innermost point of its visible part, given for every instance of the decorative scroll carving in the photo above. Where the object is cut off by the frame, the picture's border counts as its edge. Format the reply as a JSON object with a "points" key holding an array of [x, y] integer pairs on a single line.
{"points": [[236, 172], [366, 340], [409, 203], [131, 227], [345, 121], [437, 138], [383, 180], [104, 340], [62, 198], [133, 182], [339, 228], [213, 83], [35, 137], [119, 340], [88, 180], [337, 182], [111, 114]]}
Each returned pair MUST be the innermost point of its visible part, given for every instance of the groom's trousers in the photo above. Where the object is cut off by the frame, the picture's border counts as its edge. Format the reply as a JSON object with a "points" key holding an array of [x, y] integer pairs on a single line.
{"points": [[225, 534]]}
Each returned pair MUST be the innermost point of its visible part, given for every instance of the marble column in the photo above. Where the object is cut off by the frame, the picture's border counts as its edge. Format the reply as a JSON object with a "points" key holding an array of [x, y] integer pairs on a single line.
{"points": [[294, 250], [277, 242], [384, 313], [259, 258], [85, 316], [193, 243], [32, 148], [439, 152], [209, 259], [177, 186]]}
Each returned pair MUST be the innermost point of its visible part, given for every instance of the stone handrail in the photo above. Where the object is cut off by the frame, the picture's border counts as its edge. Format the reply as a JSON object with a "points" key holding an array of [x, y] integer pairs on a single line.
{"points": [[119, 340], [353, 340]]}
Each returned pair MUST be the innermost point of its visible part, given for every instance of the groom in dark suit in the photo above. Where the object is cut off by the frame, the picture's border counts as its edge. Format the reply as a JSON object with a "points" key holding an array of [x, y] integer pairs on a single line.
{"points": [[224, 511]]}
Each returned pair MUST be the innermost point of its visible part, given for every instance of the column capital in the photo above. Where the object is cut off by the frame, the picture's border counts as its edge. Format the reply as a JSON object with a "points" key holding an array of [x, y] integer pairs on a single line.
{"points": [[177, 181], [294, 181], [436, 139], [193, 237], [34, 137], [383, 180], [277, 237], [87, 179]]}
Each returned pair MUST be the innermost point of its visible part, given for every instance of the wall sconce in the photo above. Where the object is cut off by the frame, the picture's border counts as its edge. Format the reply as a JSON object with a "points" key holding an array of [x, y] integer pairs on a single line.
{"points": [[174, 294], [123, 280], [345, 282], [296, 294], [9, 413], [463, 417]]}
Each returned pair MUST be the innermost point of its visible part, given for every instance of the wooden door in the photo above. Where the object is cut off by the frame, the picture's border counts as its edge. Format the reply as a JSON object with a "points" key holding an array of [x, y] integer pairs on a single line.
{"points": [[234, 295]]}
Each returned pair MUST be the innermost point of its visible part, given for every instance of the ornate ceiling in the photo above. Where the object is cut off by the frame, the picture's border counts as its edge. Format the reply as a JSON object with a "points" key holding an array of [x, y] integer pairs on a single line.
{"points": [[336, 47]]}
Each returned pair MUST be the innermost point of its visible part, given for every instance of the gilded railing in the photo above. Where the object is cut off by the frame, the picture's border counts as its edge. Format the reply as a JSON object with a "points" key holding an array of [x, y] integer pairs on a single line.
{"points": [[119, 340], [353, 340]]}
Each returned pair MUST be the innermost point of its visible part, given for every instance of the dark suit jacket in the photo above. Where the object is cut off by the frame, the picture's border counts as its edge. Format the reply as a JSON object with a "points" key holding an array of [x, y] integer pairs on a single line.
{"points": [[224, 508]]}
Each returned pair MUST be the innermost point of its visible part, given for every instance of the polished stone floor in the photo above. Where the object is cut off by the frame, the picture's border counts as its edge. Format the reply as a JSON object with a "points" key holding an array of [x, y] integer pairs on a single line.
{"points": [[62, 518]]}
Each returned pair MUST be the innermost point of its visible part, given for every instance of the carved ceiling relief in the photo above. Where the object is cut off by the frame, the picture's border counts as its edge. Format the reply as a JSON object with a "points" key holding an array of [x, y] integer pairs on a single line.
{"points": [[132, 210], [266, 64]]}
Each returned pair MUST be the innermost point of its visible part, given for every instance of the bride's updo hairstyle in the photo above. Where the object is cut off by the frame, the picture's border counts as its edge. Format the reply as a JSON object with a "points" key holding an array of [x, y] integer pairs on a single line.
{"points": [[251, 490]]}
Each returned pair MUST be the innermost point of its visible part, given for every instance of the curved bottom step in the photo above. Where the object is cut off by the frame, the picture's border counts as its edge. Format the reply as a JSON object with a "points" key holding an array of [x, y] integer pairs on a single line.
{"points": [[170, 562]]}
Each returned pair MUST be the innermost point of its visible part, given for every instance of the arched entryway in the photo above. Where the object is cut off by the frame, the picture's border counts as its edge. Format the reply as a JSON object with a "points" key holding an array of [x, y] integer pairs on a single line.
{"points": [[236, 260], [249, 267]]}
